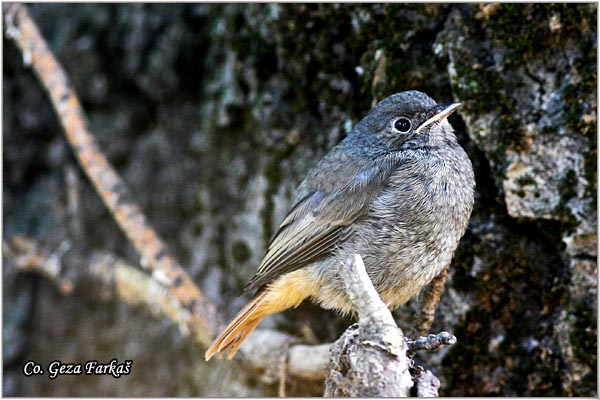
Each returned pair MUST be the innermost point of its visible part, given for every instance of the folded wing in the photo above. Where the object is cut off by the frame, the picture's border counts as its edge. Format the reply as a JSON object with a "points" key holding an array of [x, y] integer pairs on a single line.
{"points": [[318, 223]]}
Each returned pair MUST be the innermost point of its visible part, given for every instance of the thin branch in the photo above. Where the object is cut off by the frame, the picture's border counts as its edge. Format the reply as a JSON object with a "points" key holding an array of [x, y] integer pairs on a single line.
{"points": [[111, 188], [27, 257], [114, 278], [365, 299], [430, 343]]}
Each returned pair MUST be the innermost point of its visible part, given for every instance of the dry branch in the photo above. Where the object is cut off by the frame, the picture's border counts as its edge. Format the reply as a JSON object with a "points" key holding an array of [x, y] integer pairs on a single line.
{"points": [[372, 357], [369, 360], [430, 343], [114, 193], [114, 278]]}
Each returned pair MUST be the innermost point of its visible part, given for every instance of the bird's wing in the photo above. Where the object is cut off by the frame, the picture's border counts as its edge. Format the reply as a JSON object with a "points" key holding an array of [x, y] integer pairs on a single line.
{"points": [[317, 223]]}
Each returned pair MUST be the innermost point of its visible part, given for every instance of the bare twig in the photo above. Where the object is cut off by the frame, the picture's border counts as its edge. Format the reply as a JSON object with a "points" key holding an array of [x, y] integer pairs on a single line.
{"points": [[111, 188], [431, 298], [73, 208], [282, 374], [27, 256], [116, 279], [113, 277], [430, 343]]}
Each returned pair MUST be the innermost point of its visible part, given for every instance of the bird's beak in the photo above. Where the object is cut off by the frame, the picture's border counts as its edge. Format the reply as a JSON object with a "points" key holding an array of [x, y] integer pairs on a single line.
{"points": [[443, 112]]}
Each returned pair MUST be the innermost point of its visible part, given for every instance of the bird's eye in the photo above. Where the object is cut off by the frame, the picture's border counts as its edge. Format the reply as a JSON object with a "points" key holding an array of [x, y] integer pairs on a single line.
{"points": [[402, 125]]}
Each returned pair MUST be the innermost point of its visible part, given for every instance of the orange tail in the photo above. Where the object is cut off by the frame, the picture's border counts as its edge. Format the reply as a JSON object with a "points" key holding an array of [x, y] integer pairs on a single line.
{"points": [[241, 326], [287, 291]]}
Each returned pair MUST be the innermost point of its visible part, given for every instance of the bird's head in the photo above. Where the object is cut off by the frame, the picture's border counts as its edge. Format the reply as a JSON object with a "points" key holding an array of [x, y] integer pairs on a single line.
{"points": [[408, 119]]}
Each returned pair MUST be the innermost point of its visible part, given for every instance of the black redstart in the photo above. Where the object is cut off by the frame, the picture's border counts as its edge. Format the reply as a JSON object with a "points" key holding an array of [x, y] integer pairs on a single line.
{"points": [[398, 190]]}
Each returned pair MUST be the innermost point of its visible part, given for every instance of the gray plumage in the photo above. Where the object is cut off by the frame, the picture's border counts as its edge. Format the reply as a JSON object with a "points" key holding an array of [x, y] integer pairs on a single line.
{"points": [[401, 200]]}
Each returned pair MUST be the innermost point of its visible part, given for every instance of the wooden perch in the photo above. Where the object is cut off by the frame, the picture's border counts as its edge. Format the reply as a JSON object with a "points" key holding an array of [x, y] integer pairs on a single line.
{"points": [[203, 318], [372, 357], [369, 360], [114, 278]]}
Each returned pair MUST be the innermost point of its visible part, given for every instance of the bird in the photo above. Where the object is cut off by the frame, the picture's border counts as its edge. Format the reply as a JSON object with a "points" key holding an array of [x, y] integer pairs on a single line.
{"points": [[398, 190]]}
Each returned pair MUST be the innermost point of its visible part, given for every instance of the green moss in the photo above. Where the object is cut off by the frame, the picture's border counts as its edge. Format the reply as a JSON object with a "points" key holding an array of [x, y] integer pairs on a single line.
{"points": [[574, 109], [240, 251], [533, 34], [573, 112], [510, 134], [576, 18], [526, 37], [482, 88], [583, 338], [590, 170], [567, 188], [585, 66], [525, 180]]}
